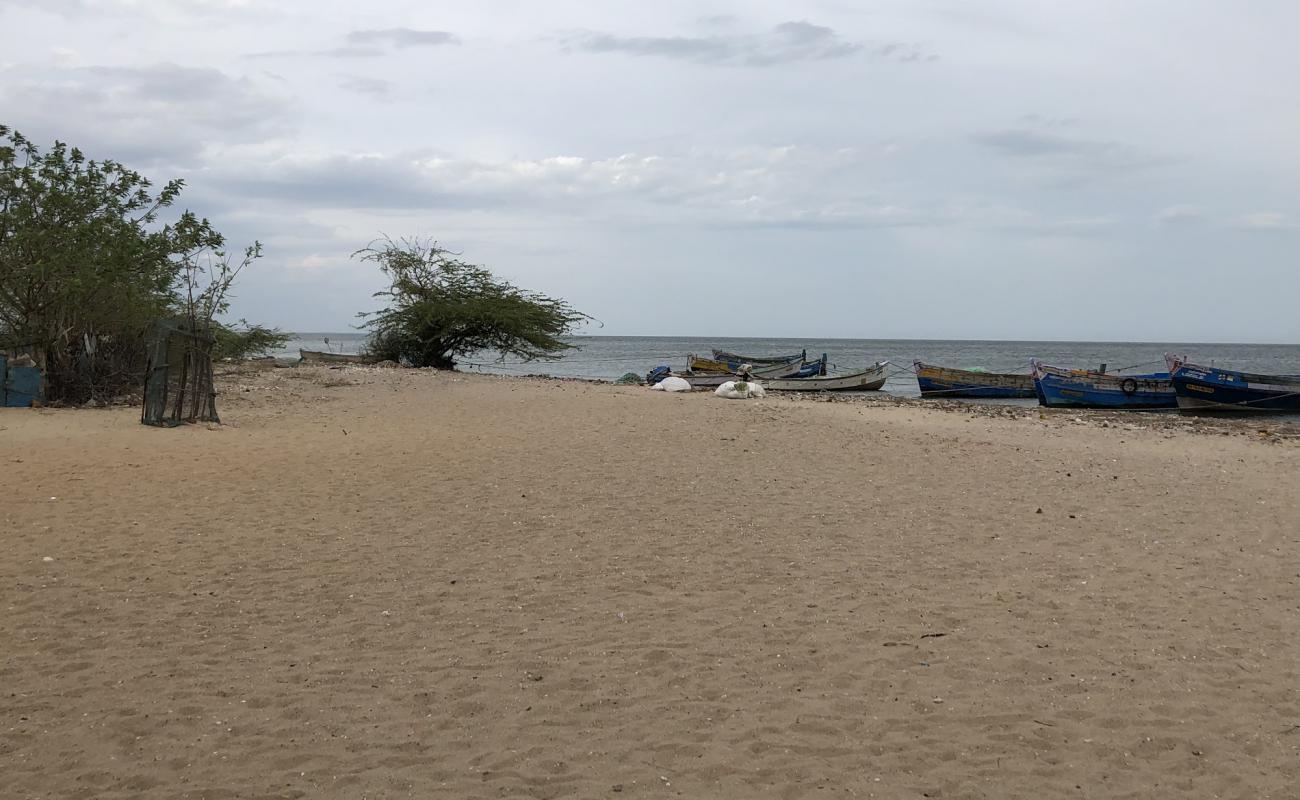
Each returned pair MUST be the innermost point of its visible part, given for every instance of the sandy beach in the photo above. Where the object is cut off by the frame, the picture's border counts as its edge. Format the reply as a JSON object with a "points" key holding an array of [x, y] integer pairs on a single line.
{"points": [[388, 583]]}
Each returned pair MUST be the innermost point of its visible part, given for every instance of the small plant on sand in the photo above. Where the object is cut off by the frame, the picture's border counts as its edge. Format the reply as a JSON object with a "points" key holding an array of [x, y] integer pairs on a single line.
{"points": [[442, 308]]}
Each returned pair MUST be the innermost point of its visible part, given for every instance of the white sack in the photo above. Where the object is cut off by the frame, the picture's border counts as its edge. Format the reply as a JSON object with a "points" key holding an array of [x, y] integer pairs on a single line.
{"points": [[673, 384], [730, 391]]}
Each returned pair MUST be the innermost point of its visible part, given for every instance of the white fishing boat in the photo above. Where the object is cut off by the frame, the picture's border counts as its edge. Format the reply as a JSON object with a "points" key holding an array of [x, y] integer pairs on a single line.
{"points": [[869, 380]]}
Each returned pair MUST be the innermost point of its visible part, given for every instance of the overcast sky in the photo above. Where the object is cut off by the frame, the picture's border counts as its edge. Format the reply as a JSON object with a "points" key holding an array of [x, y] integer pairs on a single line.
{"points": [[910, 169]]}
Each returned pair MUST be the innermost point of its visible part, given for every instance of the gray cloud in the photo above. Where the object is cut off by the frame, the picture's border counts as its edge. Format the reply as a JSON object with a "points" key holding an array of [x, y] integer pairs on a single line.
{"points": [[608, 156], [719, 20], [146, 115], [1179, 215], [769, 187], [904, 52], [346, 51], [787, 42], [377, 88], [340, 181], [1032, 143], [1066, 151], [402, 37], [838, 216], [1047, 120], [1066, 227], [370, 43], [82, 7]]}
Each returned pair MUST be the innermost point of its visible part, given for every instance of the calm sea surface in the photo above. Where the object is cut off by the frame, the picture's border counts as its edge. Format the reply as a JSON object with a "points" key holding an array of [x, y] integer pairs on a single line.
{"points": [[608, 357]]}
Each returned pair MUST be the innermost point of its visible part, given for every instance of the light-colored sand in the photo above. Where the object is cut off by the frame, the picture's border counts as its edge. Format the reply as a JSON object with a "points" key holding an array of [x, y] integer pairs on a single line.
{"points": [[430, 585]]}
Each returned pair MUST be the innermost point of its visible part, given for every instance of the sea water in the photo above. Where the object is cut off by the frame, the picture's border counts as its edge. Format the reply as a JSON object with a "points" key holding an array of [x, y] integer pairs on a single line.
{"points": [[608, 357]]}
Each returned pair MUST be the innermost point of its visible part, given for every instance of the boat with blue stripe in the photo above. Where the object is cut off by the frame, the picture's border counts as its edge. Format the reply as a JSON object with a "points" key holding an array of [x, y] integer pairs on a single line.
{"points": [[1214, 390], [809, 369], [1081, 388], [738, 359], [937, 381]]}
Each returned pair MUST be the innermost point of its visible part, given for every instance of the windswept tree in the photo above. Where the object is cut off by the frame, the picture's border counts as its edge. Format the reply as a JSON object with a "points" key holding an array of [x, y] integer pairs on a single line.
{"points": [[441, 309], [87, 265]]}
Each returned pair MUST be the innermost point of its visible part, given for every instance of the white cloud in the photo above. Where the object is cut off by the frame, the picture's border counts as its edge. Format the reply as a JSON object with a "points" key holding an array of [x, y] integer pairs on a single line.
{"points": [[1046, 134], [314, 261], [119, 6], [787, 42], [1179, 215], [1262, 221], [779, 186]]}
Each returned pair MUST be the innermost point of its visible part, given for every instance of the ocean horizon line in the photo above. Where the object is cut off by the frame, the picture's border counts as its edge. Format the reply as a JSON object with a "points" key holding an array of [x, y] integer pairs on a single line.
{"points": [[1189, 343]]}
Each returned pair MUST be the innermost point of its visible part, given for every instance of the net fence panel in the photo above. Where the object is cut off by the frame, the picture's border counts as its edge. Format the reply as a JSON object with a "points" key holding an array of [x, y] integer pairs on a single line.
{"points": [[178, 385]]}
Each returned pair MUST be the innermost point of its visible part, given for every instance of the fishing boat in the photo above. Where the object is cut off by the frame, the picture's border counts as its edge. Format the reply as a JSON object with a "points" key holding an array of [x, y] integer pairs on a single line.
{"points": [[869, 380], [709, 380], [949, 382], [1211, 389], [807, 368], [1082, 388], [318, 357], [723, 355]]}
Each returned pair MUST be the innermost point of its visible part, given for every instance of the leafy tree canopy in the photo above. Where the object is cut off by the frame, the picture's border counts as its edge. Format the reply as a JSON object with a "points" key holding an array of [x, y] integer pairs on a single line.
{"points": [[87, 266], [246, 340], [442, 308]]}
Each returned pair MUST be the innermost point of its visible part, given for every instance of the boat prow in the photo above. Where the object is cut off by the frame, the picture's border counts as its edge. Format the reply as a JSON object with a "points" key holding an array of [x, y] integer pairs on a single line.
{"points": [[1202, 390]]}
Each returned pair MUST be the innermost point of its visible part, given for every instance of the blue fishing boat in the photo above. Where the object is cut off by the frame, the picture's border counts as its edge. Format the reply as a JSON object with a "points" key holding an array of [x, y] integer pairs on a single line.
{"points": [[948, 382], [1213, 390], [738, 359], [1081, 388]]}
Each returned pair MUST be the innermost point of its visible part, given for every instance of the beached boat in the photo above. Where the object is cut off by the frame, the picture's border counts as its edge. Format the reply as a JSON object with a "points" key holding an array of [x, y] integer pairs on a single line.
{"points": [[1081, 388], [949, 382], [868, 380], [772, 372], [713, 366], [318, 357], [696, 363], [724, 355], [1211, 389]]}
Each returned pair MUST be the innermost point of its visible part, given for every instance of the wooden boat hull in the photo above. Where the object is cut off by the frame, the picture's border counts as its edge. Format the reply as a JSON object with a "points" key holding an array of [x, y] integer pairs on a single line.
{"points": [[868, 380], [1203, 390], [936, 381], [737, 359], [807, 369], [318, 357], [776, 371], [1076, 388]]}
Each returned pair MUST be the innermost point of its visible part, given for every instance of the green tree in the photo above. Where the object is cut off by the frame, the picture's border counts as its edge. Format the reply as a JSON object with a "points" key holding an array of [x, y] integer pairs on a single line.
{"points": [[87, 267], [442, 309], [245, 340]]}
